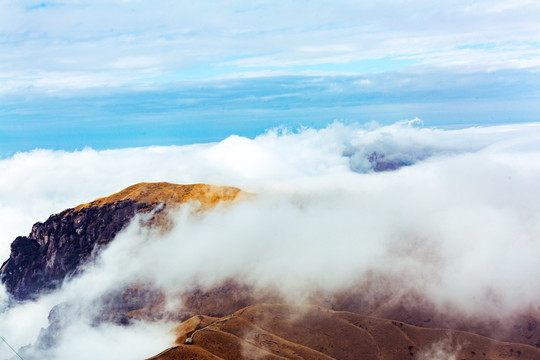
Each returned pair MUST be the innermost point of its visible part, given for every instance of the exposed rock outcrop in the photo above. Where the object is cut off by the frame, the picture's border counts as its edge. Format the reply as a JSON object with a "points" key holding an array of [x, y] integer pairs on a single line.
{"points": [[59, 247], [380, 162]]}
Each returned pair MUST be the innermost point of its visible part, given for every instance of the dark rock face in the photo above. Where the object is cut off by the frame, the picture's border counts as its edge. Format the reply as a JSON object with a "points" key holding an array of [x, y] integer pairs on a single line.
{"points": [[380, 162], [57, 248], [111, 308]]}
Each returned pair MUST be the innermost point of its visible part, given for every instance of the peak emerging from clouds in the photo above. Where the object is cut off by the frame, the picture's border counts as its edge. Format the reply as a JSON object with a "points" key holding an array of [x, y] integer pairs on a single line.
{"points": [[62, 246], [165, 193]]}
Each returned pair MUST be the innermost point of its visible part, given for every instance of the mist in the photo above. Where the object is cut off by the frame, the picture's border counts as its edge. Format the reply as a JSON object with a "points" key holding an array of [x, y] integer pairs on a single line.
{"points": [[458, 221]]}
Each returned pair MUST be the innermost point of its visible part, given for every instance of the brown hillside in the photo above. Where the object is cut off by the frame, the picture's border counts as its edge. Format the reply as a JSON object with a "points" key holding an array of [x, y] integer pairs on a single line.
{"points": [[310, 332]]}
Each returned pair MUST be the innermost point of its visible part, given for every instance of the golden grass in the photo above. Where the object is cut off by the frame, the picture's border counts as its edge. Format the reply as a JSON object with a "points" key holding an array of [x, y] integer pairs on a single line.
{"points": [[169, 194]]}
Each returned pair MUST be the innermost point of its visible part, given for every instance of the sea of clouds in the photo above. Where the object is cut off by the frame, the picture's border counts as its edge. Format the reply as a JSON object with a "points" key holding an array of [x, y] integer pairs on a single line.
{"points": [[460, 223]]}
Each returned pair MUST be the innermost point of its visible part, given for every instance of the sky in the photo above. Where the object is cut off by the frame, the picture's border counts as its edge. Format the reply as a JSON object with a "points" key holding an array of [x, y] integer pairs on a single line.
{"points": [[125, 73], [287, 100]]}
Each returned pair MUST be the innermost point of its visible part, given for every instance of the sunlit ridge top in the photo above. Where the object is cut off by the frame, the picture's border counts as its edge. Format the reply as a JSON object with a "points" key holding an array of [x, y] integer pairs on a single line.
{"points": [[168, 193]]}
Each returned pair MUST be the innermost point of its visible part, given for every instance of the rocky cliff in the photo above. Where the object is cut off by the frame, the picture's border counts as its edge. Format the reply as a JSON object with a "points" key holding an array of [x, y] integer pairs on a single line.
{"points": [[59, 247]]}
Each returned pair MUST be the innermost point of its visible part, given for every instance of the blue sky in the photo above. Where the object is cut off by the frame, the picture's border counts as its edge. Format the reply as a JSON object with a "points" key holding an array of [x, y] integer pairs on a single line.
{"points": [[110, 74]]}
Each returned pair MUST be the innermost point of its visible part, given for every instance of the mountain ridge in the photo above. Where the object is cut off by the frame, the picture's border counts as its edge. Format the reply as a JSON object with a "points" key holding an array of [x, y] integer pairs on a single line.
{"points": [[167, 193], [58, 248]]}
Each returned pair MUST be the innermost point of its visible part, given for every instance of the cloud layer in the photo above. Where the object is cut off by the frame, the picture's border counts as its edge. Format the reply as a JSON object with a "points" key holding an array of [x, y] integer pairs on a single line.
{"points": [[61, 45], [460, 224]]}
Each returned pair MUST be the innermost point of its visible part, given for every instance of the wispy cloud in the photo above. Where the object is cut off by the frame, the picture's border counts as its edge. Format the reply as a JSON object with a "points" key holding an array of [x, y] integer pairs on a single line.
{"points": [[69, 67], [63, 36]]}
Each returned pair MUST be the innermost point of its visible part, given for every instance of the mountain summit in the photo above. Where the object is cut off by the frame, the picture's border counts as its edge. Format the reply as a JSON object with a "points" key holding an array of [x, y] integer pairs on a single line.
{"points": [[58, 248]]}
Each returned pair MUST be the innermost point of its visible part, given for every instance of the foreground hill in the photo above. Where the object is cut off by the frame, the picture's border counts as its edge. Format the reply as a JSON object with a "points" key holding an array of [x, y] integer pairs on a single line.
{"points": [[59, 247], [310, 332]]}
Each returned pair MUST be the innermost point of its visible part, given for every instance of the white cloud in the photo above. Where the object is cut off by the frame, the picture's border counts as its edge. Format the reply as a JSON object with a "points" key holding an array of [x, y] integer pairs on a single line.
{"points": [[136, 62], [441, 350], [461, 225], [97, 37]]}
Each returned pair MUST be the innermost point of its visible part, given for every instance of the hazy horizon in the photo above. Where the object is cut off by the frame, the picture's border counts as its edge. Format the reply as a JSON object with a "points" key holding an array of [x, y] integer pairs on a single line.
{"points": [[116, 74]]}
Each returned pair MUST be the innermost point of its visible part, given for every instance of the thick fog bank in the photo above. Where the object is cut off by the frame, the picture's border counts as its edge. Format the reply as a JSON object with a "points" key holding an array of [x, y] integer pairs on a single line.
{"points": [[457, 221]]}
